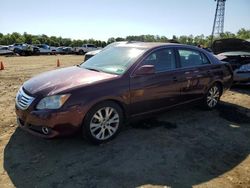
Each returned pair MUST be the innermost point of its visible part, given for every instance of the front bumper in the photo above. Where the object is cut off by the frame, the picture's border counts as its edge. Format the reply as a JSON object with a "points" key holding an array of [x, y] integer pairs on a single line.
{"points": [[36, 130], [57, 123]]}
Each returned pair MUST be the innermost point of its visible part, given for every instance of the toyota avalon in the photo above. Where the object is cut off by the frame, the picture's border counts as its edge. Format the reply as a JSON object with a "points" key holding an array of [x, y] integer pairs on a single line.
{"points": [[126, 81]]}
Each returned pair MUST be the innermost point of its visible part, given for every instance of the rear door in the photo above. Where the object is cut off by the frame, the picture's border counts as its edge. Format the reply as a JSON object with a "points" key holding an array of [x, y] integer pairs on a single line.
{"points": [[196, 73], [159, 90]]}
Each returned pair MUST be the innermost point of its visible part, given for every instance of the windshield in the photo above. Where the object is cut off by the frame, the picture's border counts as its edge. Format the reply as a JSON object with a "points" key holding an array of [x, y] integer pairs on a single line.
{"points": [[114, 60]]}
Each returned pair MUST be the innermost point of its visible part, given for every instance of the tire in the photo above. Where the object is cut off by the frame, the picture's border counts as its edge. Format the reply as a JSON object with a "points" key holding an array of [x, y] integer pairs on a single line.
{"points": [[103, 122], [81, 52], [22, 53], [38, 52], [16, 50], [212, 97]]}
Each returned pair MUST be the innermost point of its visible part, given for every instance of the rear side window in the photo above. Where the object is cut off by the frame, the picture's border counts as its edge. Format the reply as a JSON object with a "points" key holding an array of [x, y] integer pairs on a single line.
{"points": [[163, 59], [191, 58]]}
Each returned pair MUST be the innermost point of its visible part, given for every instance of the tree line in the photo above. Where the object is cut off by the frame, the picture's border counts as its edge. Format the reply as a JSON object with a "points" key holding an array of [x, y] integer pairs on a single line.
{"points": [[8, 39]]}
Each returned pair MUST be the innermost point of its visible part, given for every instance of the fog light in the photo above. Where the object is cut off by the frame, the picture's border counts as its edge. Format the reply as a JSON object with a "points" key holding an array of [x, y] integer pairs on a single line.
{"points": [[45, 130]]}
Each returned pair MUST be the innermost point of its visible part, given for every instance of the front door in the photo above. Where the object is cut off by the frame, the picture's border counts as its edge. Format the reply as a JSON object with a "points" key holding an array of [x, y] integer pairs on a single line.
{"points": [[155, 91]]}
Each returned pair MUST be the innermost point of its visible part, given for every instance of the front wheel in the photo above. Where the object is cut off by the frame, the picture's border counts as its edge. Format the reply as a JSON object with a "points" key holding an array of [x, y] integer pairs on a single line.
{"points": [[23, 53], [212, 97], [103, 122]]}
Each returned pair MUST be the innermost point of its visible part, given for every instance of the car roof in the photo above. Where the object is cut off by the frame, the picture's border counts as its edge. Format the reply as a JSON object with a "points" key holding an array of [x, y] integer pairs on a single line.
{"points": [[150, 45]]}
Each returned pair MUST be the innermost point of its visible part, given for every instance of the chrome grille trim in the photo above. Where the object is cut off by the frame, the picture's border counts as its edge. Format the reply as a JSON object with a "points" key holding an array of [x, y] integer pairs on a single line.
{"points": [[23, 100]]}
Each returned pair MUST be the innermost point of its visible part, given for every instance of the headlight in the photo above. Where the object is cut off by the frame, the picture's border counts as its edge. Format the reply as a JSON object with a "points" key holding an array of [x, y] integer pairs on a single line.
{"points": [[52, 102], [245, 68]]}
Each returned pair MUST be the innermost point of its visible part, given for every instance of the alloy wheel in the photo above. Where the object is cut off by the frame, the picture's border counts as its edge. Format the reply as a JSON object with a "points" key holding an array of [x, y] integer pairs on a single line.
{"points": [[104, 123], [213, 96]]}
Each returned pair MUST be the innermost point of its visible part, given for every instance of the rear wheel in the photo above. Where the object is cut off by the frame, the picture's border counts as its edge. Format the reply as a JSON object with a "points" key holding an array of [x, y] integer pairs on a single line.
{"points": [[16, 50], [81, 52], [212, 97], [103, 122]]}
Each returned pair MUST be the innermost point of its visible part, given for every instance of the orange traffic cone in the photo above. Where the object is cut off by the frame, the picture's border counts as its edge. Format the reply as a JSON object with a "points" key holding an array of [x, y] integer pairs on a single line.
{"points": [[1, 66], [58, 63]]}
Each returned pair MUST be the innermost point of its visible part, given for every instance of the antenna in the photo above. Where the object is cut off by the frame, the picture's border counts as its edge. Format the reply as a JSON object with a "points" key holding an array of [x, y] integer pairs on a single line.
{"points": [[218, 26]]}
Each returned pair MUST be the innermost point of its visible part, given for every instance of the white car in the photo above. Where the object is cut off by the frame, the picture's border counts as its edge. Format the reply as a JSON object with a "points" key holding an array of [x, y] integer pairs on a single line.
{"points": [[85, 48], [4, 50]]}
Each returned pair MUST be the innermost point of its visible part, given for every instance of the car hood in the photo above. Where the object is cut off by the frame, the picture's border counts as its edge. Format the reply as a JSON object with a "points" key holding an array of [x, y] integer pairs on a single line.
{"points": [[236, 58], [56, 81], [230, 45], [235, 53], [94, 52]]}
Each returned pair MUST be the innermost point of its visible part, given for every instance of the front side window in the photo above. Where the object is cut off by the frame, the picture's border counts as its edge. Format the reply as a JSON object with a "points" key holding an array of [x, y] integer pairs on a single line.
{"points": [[163, 60], [191, 58]]}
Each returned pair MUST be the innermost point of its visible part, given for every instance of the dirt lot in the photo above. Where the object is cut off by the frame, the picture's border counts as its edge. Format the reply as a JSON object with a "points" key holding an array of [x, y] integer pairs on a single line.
{"points": [[184, 147]]}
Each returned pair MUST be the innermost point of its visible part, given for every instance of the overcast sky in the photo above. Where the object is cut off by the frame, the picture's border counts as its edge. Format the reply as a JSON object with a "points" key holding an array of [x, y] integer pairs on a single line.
{"points": [[102, 19]]}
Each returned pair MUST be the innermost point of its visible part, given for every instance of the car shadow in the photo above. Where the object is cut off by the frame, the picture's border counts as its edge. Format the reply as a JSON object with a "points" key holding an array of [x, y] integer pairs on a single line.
{"points": [[243, 89], [203, 145]]}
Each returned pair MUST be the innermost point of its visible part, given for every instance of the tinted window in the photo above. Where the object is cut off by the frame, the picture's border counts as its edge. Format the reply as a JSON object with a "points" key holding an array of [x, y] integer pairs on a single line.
{"points": [[190, 58], [45, 46], [90, 46], [162, 59]]}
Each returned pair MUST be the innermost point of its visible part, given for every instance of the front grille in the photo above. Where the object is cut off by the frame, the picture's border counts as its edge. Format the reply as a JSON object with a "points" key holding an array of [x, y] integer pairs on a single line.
{"points": [[23, 100]]}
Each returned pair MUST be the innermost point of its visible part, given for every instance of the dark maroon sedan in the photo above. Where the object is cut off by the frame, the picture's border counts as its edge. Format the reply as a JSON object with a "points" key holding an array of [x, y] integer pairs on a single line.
{"points": [[126, 81]]}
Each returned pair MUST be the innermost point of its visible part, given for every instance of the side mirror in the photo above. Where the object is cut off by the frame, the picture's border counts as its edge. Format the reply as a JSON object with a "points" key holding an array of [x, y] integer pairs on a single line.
{"points": [[145, 70]]}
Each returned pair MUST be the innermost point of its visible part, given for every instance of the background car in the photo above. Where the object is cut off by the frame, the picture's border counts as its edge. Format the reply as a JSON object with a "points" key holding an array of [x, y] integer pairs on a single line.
{"points": [[90, 54], [237, 53], [4, 50], [44, 49], [23, 49], [85, 48], [64, 50], [68, 50]]}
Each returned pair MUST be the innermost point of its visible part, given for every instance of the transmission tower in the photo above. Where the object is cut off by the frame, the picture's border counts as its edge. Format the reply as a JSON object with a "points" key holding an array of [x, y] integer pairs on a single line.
{"points": [[218, 26]]}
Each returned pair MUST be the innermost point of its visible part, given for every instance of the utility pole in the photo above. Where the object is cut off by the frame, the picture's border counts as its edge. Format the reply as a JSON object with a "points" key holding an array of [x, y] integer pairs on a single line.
{"points": [[218, 26]]}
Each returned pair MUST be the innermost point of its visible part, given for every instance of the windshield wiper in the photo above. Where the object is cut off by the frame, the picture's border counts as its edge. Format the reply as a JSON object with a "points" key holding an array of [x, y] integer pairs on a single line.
{"points": [[92, 69]]}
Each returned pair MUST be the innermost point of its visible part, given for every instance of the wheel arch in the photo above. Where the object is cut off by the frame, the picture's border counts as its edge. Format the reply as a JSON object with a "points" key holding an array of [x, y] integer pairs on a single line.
{"points": [[121, 105], [219, 83], [118, 102]]}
